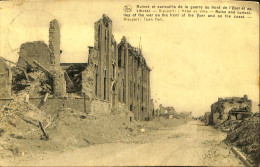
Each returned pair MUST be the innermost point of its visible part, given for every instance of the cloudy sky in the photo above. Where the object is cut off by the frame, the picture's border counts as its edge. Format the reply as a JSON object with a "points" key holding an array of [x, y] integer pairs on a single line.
{"points": [[193, 60]]}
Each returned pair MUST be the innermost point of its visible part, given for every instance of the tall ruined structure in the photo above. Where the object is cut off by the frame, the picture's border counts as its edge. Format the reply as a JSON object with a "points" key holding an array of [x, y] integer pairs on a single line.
{"points": [[59, 85], [134, 75], [117, 76], [54, 43]]}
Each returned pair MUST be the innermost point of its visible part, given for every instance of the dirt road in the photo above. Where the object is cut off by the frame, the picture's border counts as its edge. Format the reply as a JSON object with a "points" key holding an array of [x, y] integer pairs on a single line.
{"points": [[188, 144]]}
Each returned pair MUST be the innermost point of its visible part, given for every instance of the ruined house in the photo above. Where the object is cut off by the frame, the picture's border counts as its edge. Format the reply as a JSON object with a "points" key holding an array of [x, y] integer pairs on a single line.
{"points": [[115, 78], [230, 108], [168, 112]]}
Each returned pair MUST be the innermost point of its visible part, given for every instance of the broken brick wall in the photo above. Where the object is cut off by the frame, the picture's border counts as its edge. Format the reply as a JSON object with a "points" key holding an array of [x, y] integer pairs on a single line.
{"points": [[53, 104], [36, 50], [89, 78], [47, 57], [59, 84]]}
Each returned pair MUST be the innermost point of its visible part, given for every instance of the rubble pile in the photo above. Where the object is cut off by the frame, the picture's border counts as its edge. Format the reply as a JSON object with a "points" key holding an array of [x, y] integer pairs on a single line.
{"points": [[39, 83], [227, 125], [21, 133], [246, 136], [74, 128], [19, 120], [165, 123]]}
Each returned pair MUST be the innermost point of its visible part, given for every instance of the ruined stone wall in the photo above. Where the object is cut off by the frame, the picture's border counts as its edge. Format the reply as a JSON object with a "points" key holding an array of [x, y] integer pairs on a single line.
{"points": [[103, 45], [54, 105], [89, 75], [47, 57], [5, 79], [100, 107], [40, 52], [59, 84], [37, 51]]}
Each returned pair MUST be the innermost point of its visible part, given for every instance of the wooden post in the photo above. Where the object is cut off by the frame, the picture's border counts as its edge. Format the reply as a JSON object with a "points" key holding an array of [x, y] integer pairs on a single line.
{"points": [[45, 135]]}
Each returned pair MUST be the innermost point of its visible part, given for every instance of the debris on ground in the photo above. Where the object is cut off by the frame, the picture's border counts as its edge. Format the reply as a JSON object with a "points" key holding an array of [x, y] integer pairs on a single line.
{"points": [[246, 137], [19, 120], [26, 130], [39, 83], [227, 125]]}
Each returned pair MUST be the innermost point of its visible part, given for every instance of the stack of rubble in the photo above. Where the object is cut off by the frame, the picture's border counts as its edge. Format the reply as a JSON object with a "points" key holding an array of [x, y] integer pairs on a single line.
{"points": [[246, 136], [37, 85], [227, 125], [74, 128], [19, 120]]}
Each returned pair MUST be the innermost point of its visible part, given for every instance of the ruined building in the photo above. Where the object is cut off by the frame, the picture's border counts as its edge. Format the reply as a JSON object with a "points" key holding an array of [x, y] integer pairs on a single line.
{"points": [[115, 78], [230, 108], [116, 75]]}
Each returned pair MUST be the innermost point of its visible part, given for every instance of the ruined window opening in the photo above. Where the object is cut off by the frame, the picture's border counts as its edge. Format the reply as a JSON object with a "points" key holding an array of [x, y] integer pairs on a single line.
{"points": [[131, 107], [114, 70], [73, 77], [130, 88], [124, 59], [142, 94], [96, 85], [123, 84], [134, 89], [114, 88], [105, 77], [119, 59], [99, 35], [105, 40], [138, 90], [119, 95]]}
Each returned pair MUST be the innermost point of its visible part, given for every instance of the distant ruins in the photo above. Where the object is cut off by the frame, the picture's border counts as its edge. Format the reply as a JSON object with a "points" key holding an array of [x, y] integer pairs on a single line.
{"points": [[115, 78], [235, 108]]}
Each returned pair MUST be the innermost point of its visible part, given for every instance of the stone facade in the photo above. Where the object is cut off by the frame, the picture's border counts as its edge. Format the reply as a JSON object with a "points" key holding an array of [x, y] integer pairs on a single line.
{"points": [[117, 73]]}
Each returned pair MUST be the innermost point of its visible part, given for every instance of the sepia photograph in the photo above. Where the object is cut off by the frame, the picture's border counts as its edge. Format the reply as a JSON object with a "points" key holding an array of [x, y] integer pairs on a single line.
{"points": [[129, 83]]}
